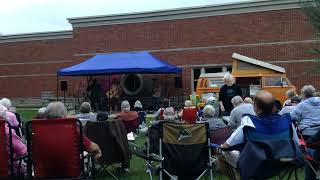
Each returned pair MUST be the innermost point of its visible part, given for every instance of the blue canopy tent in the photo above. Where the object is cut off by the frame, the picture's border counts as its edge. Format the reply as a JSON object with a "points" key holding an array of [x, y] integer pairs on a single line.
{"points": [[119, 63]]}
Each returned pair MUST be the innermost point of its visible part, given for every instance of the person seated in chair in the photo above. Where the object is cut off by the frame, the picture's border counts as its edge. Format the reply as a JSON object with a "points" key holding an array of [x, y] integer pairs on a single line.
{"points": [[294, 101], [57, 110], [188, 113], [240, 109], [129, 118], [41, 113], [209, 117], [86, 114], [19, 149], [142, 114], [11, 116], [159, 113], [264, 105]]}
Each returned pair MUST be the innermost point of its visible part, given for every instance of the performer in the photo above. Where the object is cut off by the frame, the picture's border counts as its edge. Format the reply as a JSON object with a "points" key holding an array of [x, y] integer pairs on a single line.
{"points": [[114, 95], [156, 93], [94, 93]]}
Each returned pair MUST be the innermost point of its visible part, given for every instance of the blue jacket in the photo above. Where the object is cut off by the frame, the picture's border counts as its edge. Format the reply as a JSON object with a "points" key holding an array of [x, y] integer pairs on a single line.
{"points": [[307, 114]]}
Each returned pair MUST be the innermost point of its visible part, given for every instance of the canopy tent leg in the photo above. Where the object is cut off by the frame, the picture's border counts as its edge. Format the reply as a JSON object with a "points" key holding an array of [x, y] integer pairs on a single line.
{"points": [[181, 90], [57, 90]]}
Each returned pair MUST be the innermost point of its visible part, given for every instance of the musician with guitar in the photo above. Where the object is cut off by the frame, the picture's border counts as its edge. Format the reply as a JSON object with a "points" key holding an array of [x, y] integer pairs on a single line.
{"points": [[113, 96]]}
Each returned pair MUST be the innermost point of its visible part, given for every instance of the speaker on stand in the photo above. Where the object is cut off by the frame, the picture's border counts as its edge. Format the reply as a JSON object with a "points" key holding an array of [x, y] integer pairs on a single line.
{"points": [[64, 88]]}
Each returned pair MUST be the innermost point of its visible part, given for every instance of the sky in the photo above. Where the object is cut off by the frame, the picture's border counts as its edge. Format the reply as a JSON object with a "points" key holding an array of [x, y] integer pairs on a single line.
{"points": [[25, 16]]}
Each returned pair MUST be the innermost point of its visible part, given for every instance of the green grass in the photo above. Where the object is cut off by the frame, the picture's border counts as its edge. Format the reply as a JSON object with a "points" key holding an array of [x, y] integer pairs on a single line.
{"points": [[137, 166]]}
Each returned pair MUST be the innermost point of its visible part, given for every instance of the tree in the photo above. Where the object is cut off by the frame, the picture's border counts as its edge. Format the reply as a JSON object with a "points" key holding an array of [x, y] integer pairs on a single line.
{"points": [[312, 9]]}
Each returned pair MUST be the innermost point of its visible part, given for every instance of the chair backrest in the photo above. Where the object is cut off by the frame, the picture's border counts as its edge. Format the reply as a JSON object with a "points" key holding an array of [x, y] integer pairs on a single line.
{"points": [[275, 127], [111, 137], [4, 155], [219, 136], [189, 115], [56, 148], [131, 126], [161, 114], [185, 148]]}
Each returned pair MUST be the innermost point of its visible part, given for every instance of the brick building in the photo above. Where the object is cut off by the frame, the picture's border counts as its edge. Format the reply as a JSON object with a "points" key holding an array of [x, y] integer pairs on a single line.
{"points": [[198, 39]]}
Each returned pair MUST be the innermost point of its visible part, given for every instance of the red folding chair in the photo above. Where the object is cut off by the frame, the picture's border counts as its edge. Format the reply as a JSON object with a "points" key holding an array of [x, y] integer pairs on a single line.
{"points": [[131, 126], [55, 149], [6, 158], [189, 115]]}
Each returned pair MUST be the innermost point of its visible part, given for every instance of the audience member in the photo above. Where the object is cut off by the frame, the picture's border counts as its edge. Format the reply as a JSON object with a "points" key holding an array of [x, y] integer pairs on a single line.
{"points": [[213, 102], [86, 114], [189, 112], [19, 149], [159, 114], [307, 113], [142, 114], [129, 118], [264, 104], [102, 116], [6, 103], [227, 92], [57, 110], [290, 93], [138, 106], [248, 100], [240, 109], [209, 117], [41, 113], [294, 101]]}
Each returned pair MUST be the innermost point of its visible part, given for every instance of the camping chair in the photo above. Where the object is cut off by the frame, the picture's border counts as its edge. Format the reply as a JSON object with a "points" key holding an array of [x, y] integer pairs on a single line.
{"points": [[184, 151], [219, 136], [131, 126], [269, 148], [189, 115], [56, 150], [111, 137], [311, 150]]}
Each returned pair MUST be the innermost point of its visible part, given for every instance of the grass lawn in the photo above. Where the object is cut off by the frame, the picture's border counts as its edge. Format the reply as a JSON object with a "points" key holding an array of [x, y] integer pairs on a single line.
{"points": [[137, 166]]}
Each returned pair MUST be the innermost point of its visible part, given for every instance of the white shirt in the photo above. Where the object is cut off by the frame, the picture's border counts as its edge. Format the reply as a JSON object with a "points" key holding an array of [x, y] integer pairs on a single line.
{"points": [[237, 137]]}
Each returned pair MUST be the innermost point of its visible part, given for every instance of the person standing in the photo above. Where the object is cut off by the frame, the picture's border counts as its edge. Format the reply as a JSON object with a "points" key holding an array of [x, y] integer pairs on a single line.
{"points": [[114, 95], [227, 92], [156, 93], [94, 92]]}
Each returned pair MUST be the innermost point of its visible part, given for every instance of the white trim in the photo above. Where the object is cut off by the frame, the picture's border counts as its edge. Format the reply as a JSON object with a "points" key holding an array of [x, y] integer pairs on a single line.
{"points": [[185, 13], [35, 36], [258, 62], [35, 62], [209, 47], [26, 75]]}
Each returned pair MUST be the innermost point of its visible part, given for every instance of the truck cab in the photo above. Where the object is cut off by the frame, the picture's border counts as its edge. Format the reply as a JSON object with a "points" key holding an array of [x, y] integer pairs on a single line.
{"points": [[252, 76]]}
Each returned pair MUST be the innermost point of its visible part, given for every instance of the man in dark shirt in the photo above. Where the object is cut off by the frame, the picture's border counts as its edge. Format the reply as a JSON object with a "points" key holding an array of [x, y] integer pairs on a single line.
{"points": [[227, 92], [94, 91]]}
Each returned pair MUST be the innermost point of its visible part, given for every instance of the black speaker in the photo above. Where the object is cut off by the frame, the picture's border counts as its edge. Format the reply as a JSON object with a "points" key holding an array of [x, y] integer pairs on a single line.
{"points": [[63, 85], [177, 82]]}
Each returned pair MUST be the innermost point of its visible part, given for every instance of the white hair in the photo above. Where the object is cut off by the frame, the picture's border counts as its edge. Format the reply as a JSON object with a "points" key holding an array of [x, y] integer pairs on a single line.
{"points": [[125, 105], [236, 101], [208, 111], [211, 100], [308, 91], [188, 103], [168, 114], [137, 104], [6, 102], [228, 77], [56, 110]]}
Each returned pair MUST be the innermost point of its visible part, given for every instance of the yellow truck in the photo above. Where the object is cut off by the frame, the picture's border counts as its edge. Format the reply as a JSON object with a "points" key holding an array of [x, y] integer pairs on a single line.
{"points": [[251, 75]]}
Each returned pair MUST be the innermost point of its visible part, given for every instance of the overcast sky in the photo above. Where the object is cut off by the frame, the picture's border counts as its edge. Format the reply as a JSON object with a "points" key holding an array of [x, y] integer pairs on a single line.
{"points": [[25, 16]]}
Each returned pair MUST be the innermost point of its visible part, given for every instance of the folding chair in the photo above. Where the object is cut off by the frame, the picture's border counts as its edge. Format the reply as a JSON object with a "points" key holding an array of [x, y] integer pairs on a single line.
{"points": [[131, 126], [55, 150], [142, 117], [269, 148], [189, 115], [111, 137], [184, 151]]}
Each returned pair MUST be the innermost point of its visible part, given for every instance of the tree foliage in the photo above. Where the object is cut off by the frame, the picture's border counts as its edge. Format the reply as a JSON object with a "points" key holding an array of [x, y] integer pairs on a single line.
{"points": [[312, 9]]}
